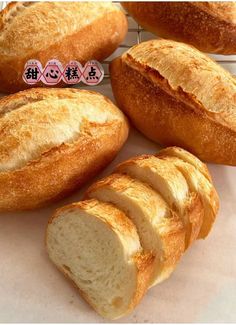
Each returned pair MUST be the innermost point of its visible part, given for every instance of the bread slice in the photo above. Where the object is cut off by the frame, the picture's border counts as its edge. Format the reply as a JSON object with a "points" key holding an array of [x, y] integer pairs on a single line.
{"points": [[160, 229], [198, 183], [96, 246], [166, 179]]}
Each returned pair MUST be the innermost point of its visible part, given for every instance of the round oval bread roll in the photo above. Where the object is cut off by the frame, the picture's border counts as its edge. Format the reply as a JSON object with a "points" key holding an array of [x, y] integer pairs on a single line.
{"points": [[64, 31], [52, 141], [178, 96], [209, 26]]}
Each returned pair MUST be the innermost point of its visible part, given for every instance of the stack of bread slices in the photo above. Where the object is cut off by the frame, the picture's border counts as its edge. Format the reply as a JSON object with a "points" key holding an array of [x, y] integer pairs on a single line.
{"points": [[132, 228]]}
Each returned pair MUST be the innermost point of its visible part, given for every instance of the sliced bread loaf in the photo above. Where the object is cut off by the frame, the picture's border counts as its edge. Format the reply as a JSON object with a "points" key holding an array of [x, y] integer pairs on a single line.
{"points": [[132, 228]]}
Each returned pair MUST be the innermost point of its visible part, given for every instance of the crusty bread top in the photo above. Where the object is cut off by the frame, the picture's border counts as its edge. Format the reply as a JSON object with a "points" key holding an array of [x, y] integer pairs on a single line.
{"points": [[224, 10], [45, 23], [193, 76], [34, 121]]}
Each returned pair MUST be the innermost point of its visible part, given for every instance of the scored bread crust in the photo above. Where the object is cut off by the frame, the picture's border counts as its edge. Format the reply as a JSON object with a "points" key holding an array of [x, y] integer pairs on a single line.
{"points": [[165, 224], [96, 38], [209, 26], [164, 113], [117, 221], [63, 168]]}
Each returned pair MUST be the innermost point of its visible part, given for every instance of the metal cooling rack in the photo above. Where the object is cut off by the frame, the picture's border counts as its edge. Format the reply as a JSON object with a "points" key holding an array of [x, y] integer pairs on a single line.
{"points": [[137, 34]]}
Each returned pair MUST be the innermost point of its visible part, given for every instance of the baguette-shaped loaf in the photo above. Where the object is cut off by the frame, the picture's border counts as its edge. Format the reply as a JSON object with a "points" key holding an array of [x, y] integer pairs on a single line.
{"points": [[176, 95], [65, 31], [52, 141], [164, 196], [209, 26], [160, 229], [96, 246]]}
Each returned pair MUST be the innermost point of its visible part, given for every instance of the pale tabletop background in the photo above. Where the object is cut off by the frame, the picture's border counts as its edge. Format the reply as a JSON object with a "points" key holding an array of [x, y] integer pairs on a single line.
{"points": [[202, 288]]}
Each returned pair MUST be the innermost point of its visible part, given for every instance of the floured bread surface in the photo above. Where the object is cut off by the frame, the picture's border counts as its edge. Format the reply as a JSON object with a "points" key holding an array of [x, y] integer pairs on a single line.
{"points": [[97, 247], [48, 23], [33, 122], [207, 86]]}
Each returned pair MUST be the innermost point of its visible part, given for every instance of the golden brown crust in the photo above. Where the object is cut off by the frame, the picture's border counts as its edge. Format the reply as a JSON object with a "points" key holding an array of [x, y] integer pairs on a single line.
{"points": [[96, 39], [209, 26], [144, 264], [164, 115], [195, 213], [63, 168], [173, 241]]}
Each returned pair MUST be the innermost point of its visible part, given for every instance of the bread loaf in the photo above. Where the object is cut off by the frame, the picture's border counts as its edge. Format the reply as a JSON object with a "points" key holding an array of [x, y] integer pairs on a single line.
{"points": [[64, 31], [52, 141], [209, 26], [176, 95], [168, 198], [96, 246]]}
